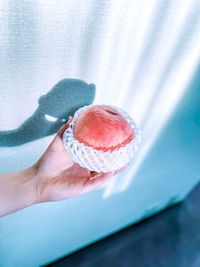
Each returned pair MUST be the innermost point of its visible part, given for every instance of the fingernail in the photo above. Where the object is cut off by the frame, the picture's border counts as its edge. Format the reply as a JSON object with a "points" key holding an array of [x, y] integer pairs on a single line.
{"points": [[95, 176], [110, 174]]}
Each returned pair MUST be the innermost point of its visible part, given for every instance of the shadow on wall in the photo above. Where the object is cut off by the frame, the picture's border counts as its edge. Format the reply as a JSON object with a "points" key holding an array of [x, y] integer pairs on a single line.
{"points": [[54, 109]]}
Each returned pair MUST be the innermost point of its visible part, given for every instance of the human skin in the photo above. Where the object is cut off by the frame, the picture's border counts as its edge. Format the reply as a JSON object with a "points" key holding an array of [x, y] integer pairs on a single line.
{"points": [[55, 176]]}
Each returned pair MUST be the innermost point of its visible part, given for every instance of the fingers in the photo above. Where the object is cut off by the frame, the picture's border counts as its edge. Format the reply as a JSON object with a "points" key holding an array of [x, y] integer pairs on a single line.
{"points": [[98, 179], [64, 127], [57, 144], [96, 174]]}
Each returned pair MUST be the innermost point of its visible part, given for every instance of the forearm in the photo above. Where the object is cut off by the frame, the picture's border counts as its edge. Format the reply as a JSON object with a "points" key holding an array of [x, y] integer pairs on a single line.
{"points": [[17, 190]]}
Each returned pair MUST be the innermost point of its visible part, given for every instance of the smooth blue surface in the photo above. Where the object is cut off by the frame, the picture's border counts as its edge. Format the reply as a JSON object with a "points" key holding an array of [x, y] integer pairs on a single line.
{"points": [[169, 239]]}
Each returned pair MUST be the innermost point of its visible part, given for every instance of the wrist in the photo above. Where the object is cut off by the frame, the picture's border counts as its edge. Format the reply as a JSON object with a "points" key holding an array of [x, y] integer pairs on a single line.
{"points": [[37, 184], [17, 190], [26, 187]]}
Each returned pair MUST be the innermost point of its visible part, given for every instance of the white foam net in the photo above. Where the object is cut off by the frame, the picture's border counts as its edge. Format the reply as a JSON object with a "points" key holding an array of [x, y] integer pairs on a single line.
{"points": [[97, 160]]}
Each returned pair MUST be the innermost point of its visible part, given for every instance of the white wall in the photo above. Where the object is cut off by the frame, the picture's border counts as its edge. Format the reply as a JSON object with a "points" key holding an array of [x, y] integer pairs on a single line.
{"points": [[142, 56]]}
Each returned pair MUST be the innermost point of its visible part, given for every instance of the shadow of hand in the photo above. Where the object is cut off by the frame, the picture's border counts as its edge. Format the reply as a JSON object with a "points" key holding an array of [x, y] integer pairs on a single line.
{"points": [[55, 107]]}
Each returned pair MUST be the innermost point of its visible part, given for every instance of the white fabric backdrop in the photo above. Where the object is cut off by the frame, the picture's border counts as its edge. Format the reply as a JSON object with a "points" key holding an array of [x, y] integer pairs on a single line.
{"points": [[140, 54]]}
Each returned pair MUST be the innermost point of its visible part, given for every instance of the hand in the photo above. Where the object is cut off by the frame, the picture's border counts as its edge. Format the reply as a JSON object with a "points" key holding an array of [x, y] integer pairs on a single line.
{"points": [[59, 177], [54, 176]]}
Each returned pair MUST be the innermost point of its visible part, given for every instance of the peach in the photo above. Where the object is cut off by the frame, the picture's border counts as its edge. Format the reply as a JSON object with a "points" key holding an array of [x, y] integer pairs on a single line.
{"points": [[103, 128]]}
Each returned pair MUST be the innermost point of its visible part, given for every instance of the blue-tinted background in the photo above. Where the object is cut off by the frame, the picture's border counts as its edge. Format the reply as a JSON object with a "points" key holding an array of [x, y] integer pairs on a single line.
{"points": [[56, 56]]}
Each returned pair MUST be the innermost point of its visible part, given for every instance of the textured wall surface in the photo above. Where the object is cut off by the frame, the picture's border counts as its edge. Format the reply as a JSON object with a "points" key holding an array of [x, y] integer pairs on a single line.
{"points": [[58, 55]]}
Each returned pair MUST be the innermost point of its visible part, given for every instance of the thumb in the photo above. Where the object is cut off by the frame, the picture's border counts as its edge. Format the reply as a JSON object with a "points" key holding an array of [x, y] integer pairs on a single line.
{"points": [[99, 179], [56, 143], [64, 127]]}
